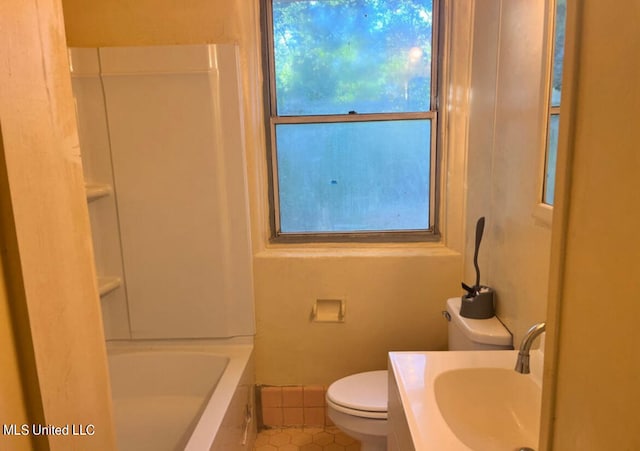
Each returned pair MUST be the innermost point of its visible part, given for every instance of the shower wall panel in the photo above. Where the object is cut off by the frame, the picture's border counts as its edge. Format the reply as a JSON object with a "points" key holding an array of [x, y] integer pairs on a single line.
{"points": [[179, 171]]}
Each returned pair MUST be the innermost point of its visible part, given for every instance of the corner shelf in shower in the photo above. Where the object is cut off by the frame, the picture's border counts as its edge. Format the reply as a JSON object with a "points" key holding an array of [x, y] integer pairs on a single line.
{"points": [[97, 190], [107, 284]]}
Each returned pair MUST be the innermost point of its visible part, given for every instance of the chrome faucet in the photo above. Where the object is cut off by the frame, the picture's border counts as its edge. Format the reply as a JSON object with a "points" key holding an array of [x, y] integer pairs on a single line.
{"points": [[522, 364]]}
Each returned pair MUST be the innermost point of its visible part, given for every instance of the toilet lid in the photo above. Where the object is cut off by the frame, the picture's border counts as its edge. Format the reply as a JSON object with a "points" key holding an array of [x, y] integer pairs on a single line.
{"points": [[362, 391]]}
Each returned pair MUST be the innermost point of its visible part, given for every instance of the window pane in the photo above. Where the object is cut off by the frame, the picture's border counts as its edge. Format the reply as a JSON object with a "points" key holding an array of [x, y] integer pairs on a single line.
{"points": [[558, 51], [367, 56], [354, 176], [552, 151]]}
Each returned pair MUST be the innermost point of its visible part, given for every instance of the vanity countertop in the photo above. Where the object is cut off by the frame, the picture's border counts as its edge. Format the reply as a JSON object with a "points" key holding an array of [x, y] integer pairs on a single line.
{"points": [[414, 375]]}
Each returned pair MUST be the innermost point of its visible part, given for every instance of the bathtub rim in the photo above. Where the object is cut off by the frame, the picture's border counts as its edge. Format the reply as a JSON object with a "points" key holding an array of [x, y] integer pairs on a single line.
{"points": [[237, 349]]}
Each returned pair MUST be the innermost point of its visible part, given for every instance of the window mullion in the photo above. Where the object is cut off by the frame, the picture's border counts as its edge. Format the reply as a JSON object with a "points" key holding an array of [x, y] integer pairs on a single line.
{"points": [[351, 118]]}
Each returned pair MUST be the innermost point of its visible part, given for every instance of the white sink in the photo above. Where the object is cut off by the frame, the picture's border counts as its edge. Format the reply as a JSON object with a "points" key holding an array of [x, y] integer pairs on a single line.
{"points": [[490, 408], [464, 400]]}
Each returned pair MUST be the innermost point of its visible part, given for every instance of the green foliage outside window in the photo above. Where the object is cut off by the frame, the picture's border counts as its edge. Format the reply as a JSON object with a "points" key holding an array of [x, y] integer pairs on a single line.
{"points": [[336, 56]]}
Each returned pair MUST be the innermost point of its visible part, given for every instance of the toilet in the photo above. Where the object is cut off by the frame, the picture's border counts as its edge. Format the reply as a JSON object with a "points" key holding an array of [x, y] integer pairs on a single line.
{"points": [[357, 404]]}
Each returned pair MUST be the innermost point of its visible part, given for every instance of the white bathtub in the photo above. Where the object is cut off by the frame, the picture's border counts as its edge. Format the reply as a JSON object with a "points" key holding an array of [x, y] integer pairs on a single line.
{"points": [[183, 395]]}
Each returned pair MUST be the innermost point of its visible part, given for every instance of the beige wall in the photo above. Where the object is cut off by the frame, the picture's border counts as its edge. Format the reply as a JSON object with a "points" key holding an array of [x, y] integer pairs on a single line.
{"points": [[54, 298], [506, 141], [153, 22], [593, 395], [393, 303]]}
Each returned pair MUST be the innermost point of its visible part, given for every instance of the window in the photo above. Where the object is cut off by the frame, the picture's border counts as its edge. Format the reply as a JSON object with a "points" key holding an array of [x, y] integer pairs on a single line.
{"points": [[554, 101], [352, 118]]}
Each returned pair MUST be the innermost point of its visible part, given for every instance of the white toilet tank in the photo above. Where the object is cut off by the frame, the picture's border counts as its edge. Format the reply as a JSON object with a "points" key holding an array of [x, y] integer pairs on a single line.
{"points": [[475, 334]]}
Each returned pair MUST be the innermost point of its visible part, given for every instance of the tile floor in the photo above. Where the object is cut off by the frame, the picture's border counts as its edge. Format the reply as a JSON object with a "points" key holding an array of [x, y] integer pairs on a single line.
{"points": [[328, 438]]}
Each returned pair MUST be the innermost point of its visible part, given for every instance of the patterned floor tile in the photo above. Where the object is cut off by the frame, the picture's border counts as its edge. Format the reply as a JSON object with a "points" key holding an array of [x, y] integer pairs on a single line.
{"points": [[305, 439]]}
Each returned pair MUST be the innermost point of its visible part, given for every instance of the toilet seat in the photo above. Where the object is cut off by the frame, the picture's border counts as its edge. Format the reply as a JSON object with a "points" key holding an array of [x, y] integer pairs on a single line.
{"points": [[362, 395]]}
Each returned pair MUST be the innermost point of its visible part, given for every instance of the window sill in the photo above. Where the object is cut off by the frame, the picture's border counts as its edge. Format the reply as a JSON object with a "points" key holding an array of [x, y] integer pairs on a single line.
{"points": [[356, 250]]}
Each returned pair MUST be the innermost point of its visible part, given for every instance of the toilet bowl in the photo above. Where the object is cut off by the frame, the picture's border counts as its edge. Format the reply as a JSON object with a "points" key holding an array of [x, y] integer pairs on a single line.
{"points": [[357, 404]]}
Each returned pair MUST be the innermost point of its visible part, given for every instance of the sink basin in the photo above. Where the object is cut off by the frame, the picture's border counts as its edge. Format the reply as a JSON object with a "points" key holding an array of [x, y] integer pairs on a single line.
{"points": [[490, 408]]}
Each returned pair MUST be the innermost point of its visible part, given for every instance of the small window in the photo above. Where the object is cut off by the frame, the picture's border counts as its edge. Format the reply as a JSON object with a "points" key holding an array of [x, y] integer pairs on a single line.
{"points": [[554, 101], [352, 119]]}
